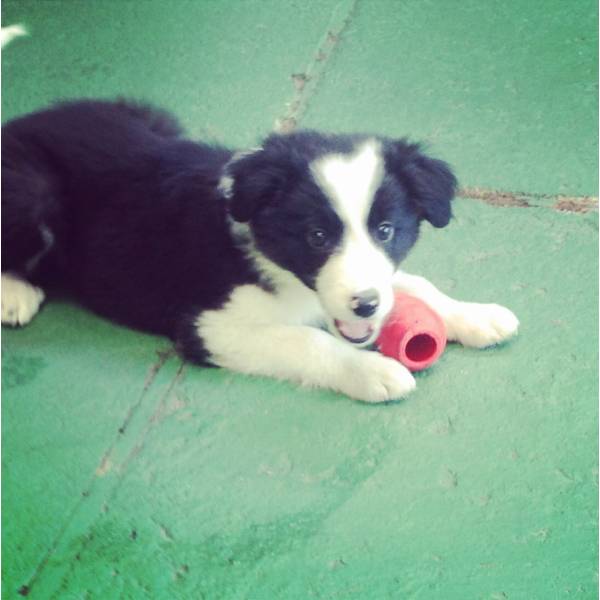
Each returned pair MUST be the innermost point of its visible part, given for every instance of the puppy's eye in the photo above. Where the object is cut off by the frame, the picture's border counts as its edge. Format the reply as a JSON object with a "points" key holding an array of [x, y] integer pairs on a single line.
{"points": [[385, 232], [318, 239]]}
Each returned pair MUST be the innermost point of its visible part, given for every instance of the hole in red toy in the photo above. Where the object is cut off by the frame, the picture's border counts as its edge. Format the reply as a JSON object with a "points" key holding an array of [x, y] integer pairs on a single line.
{"points": [[421, 347]]}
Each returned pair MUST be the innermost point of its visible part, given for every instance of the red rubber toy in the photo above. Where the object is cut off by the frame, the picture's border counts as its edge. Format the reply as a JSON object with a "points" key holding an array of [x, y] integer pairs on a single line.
{"points": [[413, 333]]}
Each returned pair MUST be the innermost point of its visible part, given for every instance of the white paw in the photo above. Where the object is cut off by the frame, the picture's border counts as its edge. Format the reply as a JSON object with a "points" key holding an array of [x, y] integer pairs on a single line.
{"points": [[371, 377], [20, 300], [481, 325]]}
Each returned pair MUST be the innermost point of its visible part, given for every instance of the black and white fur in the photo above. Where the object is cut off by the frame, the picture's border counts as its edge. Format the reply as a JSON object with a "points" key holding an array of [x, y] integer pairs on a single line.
{"points": [[279, 261]]}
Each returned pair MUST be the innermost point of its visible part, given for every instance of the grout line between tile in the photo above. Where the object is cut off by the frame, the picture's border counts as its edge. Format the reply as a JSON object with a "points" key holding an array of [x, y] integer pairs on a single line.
{"points": [[557, 202], [306, 82], [153, 371]]}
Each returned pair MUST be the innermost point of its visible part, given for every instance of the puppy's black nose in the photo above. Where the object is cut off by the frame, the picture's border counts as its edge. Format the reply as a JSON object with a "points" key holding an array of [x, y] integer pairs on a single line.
{"points": [[364, 304]]}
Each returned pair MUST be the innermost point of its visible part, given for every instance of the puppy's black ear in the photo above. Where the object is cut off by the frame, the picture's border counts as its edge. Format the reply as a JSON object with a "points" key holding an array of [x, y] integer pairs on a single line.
{"points": [[430, 183], [252, 181]]}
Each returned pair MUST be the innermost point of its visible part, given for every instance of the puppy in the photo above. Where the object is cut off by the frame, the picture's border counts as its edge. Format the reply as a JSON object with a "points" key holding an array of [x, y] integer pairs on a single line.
{"points": [[278, 261]]}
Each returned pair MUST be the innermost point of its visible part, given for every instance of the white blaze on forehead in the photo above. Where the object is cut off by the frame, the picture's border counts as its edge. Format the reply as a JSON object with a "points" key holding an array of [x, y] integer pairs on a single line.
{"points": [[350, 181]]}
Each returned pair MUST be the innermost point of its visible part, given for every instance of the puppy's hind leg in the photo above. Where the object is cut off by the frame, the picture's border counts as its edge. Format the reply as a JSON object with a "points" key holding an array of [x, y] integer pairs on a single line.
{"points": [[31, 224], [20, 300]]}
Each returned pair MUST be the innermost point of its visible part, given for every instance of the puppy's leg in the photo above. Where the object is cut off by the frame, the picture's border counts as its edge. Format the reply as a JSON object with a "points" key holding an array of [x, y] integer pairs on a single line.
{"points": [[470, 323], [240, 338], [31, 225], [20, 300]]}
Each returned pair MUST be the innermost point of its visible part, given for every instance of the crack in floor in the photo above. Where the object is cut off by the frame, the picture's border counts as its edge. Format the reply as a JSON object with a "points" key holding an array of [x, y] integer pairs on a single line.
{"points": [[136, 447], [558, 202], [103, 468], [305, 82]]}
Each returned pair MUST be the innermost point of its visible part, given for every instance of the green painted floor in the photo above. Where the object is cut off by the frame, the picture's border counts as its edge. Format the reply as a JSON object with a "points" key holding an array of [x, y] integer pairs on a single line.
{"points": [[126, 474]]}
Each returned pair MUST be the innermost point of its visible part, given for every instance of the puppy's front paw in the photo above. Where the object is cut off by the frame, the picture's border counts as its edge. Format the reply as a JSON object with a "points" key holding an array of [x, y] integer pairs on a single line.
{"points": [[481, 325], [371, 377], [20, 300]]}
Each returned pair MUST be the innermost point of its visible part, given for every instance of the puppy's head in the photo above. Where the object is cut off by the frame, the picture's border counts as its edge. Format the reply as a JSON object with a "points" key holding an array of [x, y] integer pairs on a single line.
{"points": [[340, 213]]}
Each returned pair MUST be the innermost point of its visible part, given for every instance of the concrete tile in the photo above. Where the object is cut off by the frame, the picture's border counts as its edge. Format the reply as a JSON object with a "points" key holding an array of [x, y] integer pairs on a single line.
{"points": [[506, 91], [224, 67], [251, 488], [61, 415], [482, 484]]}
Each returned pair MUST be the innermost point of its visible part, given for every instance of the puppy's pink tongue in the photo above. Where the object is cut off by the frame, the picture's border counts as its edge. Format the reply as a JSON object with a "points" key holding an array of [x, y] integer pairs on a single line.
{"points": [[354, 330]]}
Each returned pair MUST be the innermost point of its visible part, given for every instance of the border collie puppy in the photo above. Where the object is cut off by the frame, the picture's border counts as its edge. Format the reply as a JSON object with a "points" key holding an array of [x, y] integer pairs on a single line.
{"points": [[278, 261]]}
